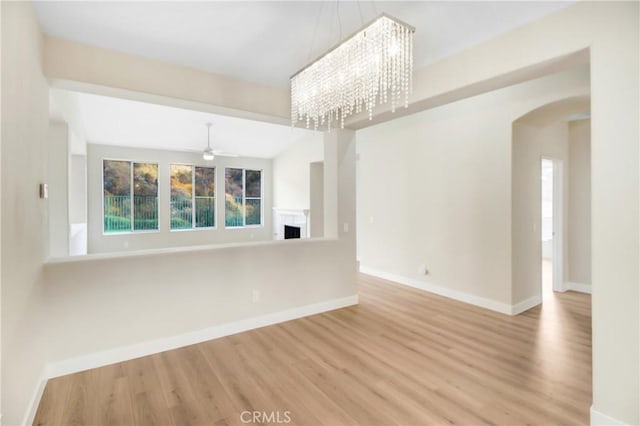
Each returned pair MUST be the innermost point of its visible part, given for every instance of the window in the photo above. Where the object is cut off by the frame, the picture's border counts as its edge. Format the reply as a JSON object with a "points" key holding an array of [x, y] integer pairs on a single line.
{"points": [[122, 212], [192, 197], [243, 197]]}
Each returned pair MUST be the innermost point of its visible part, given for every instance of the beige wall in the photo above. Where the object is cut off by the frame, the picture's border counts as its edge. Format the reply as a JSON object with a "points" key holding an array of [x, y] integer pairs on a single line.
{"points": [[435, 189], [25, 240], [90, 68], [102, 243], [153, 292], [291, 186], [52, 318], [610, 31], [530, 144], [579, 202]]}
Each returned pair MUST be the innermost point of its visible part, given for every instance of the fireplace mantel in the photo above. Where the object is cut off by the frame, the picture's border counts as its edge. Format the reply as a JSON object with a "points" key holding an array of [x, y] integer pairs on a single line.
{"points": [[291, 217]]}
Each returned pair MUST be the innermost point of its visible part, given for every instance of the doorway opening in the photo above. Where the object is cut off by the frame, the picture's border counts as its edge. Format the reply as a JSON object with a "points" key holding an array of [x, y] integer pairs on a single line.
{"points": [[551, 225]]}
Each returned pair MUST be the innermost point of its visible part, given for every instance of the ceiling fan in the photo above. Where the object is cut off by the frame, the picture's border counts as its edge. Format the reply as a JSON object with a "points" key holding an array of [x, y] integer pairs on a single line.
{"points": [[209, 154]]}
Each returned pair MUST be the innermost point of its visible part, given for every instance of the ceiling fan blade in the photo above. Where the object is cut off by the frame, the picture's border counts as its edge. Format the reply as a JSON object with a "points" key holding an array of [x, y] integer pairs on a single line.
{"points": [[224, 154]]}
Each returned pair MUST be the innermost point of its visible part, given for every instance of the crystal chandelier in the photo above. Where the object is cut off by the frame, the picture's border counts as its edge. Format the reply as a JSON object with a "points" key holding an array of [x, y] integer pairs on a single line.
{"points": [[371, 67]]}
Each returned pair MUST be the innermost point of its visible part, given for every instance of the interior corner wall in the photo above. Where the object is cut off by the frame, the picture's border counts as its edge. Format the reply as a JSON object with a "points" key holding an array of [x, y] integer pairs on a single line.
{"points": [[291, 186], [579, 222], [58, 174], [25, 124], [434, 189], [63, 106], [316, 202], [164, 237], [530, 145]]}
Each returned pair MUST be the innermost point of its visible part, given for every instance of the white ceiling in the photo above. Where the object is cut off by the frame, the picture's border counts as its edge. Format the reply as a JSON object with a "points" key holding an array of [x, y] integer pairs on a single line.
{"points": [[113, 121], [267, 42]]}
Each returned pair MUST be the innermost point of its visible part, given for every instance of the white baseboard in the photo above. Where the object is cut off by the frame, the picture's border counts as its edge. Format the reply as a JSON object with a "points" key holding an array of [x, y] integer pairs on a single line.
{"points": [[601, 419], [579, 287], [125, 353], [525, 305], [30, 415], [442, 291]]}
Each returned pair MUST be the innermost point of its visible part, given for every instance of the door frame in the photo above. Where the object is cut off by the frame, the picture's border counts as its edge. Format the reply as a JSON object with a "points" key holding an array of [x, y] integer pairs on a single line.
{"points": [[557, 257]]}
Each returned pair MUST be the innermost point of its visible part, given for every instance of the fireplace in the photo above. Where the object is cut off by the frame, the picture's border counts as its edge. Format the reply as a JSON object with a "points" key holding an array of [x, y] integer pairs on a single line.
{"points": [[290, 223], [291, 232]]}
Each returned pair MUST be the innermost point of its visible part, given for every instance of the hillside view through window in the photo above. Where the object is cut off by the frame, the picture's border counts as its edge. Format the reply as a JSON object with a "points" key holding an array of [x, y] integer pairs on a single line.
{"points": [[122, 211]]}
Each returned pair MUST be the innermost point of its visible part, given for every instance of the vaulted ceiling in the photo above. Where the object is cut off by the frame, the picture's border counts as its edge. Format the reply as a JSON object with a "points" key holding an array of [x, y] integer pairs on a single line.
{"points": [[268, 41]]}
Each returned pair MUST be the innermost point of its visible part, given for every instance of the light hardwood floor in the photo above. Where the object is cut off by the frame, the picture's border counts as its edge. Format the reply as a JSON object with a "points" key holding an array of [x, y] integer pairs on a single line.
{"points": [[402, 356]]}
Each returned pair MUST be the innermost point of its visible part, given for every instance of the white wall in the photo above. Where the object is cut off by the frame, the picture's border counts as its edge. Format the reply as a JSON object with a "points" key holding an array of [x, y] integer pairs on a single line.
{"points": [[316, 202], [78, 189], [580, 202], [25, 124], [78, 237], [58, 182], [63, 107], [291, 186], [434, 188], [101, 243], [530, 144]]}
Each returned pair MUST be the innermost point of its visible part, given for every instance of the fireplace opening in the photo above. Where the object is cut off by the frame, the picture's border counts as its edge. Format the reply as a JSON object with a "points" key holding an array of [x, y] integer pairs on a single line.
{"points": [[291, 232]]}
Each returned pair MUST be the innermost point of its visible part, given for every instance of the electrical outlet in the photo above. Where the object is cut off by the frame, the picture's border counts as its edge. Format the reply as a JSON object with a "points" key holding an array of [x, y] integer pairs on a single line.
{"points": [[345, 226], [255, 296], [422, 269]]}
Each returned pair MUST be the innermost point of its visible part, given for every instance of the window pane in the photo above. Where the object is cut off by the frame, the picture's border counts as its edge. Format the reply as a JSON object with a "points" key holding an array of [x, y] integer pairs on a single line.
{"points": [[253, 211], [205, 201], [205, 181], [233, 197], [117, 192], [253, 183], [145, 196], [181, 196], [205, 212]]}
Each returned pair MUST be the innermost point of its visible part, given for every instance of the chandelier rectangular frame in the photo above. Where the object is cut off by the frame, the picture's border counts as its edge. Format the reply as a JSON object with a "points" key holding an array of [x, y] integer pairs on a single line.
{"points": [[372, 66]]}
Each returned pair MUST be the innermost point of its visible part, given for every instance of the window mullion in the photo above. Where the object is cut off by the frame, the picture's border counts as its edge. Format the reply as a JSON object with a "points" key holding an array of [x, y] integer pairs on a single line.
{"points": [[131, 188], [193, 197], [244, 197]]}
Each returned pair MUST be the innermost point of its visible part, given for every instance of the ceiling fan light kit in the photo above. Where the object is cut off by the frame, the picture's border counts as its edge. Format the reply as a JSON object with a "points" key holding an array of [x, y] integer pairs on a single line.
{"points": [[207, 154]]}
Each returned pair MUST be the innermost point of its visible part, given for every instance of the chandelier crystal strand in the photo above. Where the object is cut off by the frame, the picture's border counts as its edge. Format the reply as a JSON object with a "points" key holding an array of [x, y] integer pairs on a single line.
{"points": [[372, 67]]}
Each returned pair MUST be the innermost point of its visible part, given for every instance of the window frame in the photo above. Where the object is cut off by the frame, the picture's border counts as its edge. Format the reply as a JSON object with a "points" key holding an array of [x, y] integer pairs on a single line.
{"points": [[244, 199], [193, 199], [131, 195]]}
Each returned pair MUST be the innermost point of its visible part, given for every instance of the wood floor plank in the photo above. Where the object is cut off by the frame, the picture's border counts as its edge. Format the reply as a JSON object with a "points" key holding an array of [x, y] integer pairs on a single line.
{"points": [[149, 404], [51, 408], [402, 356]]}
